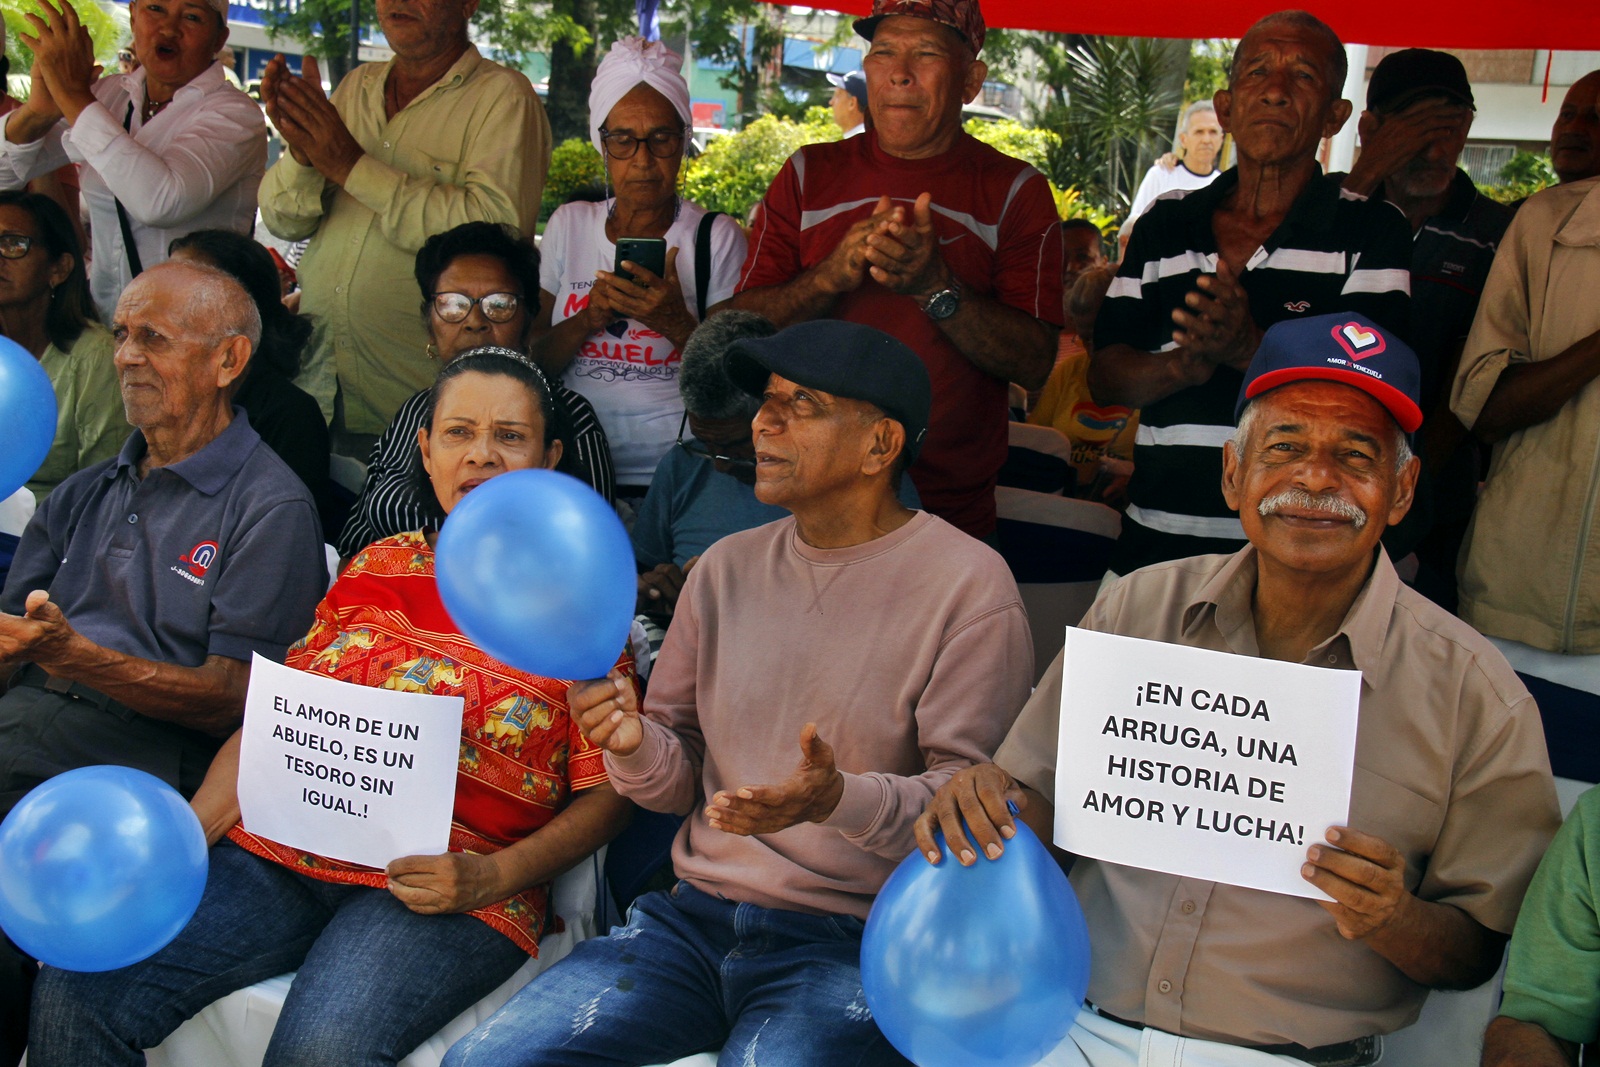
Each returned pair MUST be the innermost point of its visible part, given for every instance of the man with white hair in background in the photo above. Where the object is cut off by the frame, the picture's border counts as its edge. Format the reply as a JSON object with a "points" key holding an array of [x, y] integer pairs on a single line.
{"points": [[1200, 144], [165, 150]]}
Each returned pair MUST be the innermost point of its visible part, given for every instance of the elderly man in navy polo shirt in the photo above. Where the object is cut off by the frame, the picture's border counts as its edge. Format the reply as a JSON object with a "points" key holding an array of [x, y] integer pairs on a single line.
{"points": [[143, 585]]}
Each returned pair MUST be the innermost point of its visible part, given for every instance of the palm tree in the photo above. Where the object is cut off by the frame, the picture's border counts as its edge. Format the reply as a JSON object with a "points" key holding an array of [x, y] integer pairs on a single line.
{"points": [[1122, 104]]}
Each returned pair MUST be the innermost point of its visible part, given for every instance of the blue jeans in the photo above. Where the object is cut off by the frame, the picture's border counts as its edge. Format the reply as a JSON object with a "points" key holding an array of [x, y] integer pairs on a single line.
{"points": [[692, 972], [375, 978]]}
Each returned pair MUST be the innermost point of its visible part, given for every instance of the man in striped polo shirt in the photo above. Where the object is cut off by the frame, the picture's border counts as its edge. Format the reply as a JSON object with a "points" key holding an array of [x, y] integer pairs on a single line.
{"points": [[1208, 271]]}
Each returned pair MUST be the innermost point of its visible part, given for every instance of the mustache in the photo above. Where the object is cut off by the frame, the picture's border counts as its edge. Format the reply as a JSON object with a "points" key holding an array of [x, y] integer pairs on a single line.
{"points": [[1300, 500]]}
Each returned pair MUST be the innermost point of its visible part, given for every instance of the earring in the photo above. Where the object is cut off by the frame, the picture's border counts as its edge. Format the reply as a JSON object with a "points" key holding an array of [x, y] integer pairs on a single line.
{"points": [[432, 351]]}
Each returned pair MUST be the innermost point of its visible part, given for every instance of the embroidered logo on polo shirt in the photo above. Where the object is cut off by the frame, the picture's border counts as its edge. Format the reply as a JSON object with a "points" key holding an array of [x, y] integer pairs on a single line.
{"points": [[1298, 306], [198, 560], [1359, 341]]}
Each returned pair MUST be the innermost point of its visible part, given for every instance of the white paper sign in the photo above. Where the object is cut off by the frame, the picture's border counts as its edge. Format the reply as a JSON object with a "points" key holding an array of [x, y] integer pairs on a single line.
{"points": [[1201, 764], [347, 771]]}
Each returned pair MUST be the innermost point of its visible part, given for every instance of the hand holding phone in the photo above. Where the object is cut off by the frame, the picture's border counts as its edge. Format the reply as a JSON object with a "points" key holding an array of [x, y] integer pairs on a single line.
{"points": [[648, 252]]}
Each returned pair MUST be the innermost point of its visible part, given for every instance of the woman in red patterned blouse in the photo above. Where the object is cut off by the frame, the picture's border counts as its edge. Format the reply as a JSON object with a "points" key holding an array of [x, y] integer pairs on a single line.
{"points": [[386, 958]]}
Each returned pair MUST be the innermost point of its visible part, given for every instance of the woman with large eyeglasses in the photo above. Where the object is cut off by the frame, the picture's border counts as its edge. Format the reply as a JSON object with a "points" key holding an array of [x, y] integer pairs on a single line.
{"points": [[616, 340], [475, 281], [46, 308]]}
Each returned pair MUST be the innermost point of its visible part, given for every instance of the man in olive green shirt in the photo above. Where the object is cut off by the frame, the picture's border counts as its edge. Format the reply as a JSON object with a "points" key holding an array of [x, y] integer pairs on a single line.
{"points": [[435, 137]]}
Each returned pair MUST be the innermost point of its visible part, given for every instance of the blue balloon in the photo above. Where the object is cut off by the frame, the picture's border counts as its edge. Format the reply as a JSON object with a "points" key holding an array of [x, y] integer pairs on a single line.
{"points": [[99, 868], [981, 966], [537, 569], [28, 413]]}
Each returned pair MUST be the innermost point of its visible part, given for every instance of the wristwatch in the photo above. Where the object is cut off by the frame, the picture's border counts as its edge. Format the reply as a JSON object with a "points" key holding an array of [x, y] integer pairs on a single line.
{"points": [[944, 303]]}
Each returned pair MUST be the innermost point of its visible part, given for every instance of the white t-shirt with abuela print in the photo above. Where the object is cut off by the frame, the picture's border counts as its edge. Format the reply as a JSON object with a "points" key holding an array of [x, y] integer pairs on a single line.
{"points": [[627, 370]]}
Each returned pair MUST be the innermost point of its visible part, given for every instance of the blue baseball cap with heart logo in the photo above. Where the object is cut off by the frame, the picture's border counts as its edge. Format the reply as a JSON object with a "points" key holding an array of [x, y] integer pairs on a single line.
{"points": [[1347, 348]]}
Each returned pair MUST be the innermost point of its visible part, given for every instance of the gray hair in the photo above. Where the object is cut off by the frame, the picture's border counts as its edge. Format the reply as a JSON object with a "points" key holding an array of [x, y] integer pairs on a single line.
{"points": [[215, 306], [1196, 108], [219, 307], [703, 382], [1247, 421], [1338, 62]]}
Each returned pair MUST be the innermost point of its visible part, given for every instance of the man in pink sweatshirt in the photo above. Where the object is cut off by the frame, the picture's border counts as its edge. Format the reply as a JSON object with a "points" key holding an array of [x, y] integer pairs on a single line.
{"points": [[887, 645]]}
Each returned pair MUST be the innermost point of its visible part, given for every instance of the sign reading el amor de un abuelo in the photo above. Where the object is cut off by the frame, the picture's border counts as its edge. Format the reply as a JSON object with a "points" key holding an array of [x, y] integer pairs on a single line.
{"points": [[1201, 764], [346, 771]]}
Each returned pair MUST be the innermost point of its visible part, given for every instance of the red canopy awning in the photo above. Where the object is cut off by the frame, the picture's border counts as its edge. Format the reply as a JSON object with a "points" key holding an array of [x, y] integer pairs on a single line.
{"points": [[1562, 24]]}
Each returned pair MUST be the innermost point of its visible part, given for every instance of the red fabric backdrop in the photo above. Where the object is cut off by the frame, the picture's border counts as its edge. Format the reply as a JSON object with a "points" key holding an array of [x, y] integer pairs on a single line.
{"points": [[1562, 24]]}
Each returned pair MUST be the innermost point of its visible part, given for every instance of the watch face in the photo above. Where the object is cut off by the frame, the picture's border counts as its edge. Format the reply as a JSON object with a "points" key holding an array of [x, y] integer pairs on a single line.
{"points": [[943, 304]]}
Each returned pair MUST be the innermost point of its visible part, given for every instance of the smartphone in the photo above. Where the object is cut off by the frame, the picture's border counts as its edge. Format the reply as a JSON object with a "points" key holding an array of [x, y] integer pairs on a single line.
{"points": [[649, 252]]}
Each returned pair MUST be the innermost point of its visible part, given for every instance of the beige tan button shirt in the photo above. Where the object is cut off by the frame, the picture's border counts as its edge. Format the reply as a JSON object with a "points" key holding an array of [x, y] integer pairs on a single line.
{"points": [[475, 146], [1451, 769]]}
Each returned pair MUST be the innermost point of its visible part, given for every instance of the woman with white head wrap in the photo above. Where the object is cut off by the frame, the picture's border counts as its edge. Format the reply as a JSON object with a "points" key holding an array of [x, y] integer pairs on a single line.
{"points": [[617, 341]]}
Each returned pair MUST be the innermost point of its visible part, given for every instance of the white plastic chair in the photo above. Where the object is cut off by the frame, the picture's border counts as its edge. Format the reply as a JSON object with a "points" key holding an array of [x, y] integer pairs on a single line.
{"points": [[234, 1031], [347, 471], [1037, 458], [16, 510], [1057, 549]]}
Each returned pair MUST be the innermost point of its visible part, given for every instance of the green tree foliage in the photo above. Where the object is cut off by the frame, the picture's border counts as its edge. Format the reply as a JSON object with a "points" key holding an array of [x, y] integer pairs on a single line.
{"points": [[105, 30], [322, 28], [1031, 145], [718, 30], [1039, 146], [734, 171], [1523, 175], [574, 165], [1208, 68], [1119, 117], [1112, 103]]}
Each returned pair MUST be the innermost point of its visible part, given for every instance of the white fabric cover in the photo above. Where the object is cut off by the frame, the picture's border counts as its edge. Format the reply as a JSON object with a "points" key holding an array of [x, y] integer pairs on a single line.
{"points": [[16, 510], [234, 1031]]}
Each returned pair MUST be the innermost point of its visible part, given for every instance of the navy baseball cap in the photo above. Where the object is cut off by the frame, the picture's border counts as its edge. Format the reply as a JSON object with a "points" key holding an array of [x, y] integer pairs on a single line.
{"points": [[1346, 348], [854, 83], [843, 358]]}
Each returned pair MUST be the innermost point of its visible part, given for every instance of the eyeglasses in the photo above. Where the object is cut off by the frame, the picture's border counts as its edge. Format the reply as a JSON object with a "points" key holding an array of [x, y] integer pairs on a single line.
{"points": [[663, 144], [696, 447], [15, 245], [455, 307]]}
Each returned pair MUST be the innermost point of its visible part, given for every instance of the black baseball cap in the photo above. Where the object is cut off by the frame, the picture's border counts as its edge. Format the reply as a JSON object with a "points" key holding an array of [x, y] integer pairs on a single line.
{"points": [[1412, 74], [843, 358], [1346, 348]]}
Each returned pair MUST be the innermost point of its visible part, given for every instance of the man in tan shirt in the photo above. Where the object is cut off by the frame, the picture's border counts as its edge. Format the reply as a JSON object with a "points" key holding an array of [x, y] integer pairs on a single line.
{"points": [[1452, 802], [435, 137]]}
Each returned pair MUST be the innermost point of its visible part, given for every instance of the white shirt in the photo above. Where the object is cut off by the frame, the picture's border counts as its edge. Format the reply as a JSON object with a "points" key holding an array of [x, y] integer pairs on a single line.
{"points": [[628, 371], [194, 166], [860, 127], [1158, 181]]}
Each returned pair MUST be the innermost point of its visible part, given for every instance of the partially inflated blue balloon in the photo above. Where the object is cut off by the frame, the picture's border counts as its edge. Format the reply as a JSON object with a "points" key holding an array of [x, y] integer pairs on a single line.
{"points": [[99, 868], [537, 569], [28, 413], [981, 966]]}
